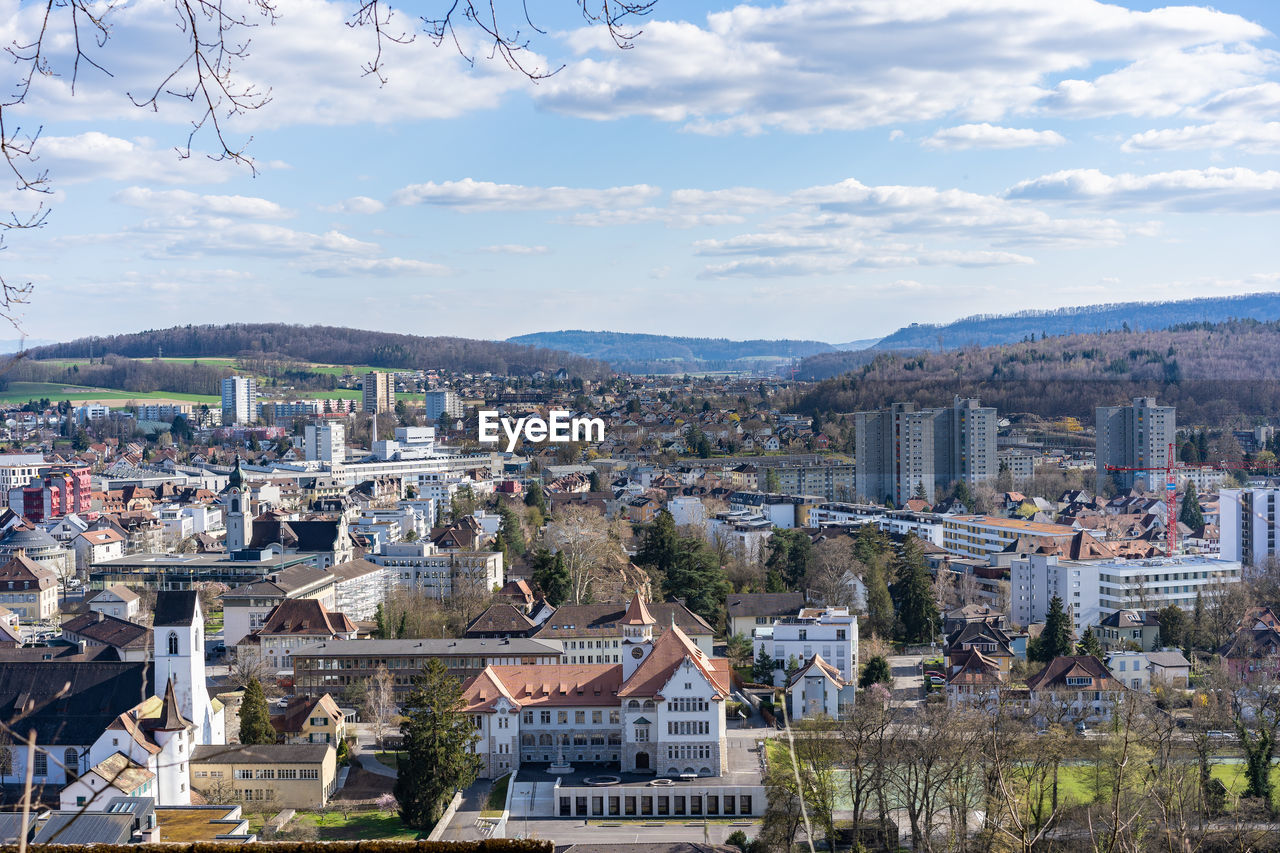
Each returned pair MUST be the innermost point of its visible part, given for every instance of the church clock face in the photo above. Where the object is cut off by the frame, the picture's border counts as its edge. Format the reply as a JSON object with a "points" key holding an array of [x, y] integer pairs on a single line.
{"points": [[637, 653]]}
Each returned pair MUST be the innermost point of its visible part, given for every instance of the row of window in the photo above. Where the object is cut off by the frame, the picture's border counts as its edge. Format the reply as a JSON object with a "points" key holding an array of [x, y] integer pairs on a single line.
{"points": [[579, 717], [688, 727], [660, 805], [593, 739], [271, 773], [685, 703], [688, 750]]}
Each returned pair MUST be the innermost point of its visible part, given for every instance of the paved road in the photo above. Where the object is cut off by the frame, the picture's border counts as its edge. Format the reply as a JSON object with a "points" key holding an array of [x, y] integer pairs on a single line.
{"points": [[463, 826], [908, 681]]}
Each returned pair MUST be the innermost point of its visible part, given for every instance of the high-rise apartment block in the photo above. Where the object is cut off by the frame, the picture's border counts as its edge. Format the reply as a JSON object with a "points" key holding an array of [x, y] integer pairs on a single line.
{"points": [[443, 404], [325, 442], [239, 400], [905, 448], [1134, 436], [379, 391]]}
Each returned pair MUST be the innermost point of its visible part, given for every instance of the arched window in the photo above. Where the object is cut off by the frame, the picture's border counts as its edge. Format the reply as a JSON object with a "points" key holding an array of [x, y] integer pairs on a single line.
{"points": [[71, 761], [633, 705], [173, 642], [235, 504]]}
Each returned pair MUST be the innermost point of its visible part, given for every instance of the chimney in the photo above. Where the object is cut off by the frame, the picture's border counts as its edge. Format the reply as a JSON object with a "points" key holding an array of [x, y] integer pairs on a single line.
{"points": [[102, 617], [82, 645]]}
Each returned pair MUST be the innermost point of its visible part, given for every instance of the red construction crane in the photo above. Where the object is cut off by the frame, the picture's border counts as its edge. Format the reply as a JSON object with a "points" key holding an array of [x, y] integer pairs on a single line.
{"points": [[1170, 497]]}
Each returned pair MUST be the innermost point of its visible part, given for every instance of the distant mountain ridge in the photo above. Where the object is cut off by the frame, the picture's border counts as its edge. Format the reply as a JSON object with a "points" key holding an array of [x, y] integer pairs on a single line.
{"points": [[996, 329], [326, 345], [643, 353]]}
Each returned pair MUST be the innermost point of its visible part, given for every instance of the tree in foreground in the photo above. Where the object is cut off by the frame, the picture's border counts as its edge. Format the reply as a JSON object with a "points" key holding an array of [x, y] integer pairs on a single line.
{"points": [[875, 672], [437, 742], [255, 718], [1055, 640]]}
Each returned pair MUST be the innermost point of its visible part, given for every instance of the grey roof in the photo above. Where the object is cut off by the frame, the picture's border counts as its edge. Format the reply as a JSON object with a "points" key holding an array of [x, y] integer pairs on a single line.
{"points": [[77, 827], [764, 603], [32, 539], [70, 703], [1171, 658], [285, 581], [11, 826], [269, 753], [431, 647], [175, 607]]}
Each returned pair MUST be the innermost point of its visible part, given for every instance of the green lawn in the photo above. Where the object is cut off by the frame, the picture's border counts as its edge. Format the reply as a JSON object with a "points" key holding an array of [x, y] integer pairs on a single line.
{"points": [[391, 759], [21, 392], [497, 798], [333, 825]]}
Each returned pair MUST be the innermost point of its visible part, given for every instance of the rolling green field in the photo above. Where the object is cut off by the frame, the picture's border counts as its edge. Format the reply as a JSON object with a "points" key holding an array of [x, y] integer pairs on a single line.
{"points": [[21, 392]]}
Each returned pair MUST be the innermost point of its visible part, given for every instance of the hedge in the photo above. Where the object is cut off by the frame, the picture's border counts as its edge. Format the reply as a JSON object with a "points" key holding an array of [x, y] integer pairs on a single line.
{"points": [[488, 845]]}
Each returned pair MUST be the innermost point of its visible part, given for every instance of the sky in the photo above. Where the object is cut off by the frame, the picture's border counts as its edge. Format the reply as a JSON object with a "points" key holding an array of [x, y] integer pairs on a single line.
{"points": [[815, 169]]}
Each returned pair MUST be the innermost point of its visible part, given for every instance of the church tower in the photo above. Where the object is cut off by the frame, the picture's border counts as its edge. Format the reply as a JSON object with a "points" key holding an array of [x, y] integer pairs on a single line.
{"points": [[637, 635], [239, 512], [178, 643]]}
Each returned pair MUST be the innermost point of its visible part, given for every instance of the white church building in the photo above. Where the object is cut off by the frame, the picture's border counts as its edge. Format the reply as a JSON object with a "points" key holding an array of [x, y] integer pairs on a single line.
{"points": [[108, 728]]}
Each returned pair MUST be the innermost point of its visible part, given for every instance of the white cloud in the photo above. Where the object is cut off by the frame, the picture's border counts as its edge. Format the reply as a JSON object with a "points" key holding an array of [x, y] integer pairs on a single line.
{"points": [[1235, 190], [809, 65], [987, 135], [99, 156], [380, 268], [356, 204], [238, 206], [1252, 136], [472, 196]]}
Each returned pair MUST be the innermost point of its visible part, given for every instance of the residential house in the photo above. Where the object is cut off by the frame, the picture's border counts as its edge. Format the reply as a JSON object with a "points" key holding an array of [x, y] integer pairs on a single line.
{"points": [[831, 632], [1076, 688], [1125, 629], [749, 610], [116, 600], [28, 589], [818, 688], [311, 719]]}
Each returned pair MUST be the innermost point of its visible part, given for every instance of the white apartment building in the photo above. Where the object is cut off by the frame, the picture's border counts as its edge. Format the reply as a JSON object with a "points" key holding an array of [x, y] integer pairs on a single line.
{"points": [[325, 442], [18, 469], [927, 526], [1093, 588], [688, 512], [830, 632], [1247, 524], [442, 404], [980, 536], [239, 400], [420, 565], [743, 532]]}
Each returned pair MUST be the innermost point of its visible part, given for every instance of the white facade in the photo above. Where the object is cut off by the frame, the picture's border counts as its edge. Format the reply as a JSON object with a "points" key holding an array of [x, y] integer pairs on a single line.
{"points": [[1247, 523], [688, 512], [436, 573], [442, 404], [743, 532], [832, 633], [118, 601], [239, 400], [1094, 588], [325, 442]]}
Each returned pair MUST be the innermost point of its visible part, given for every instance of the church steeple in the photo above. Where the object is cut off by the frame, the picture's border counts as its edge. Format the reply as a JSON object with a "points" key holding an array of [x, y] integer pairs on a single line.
{"points": [[637, 635]]}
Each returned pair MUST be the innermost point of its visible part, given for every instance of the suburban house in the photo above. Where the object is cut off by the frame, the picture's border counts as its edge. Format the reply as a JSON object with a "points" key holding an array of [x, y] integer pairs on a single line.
{"points": [[307, 719], [750, 610], [116, 600], [1079, 688]]}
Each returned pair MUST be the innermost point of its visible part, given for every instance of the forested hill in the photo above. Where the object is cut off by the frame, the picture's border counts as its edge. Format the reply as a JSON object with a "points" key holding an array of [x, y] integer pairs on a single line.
{"points": [[663, 353], [1214, 373], [990, 329], [327, 345]]}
